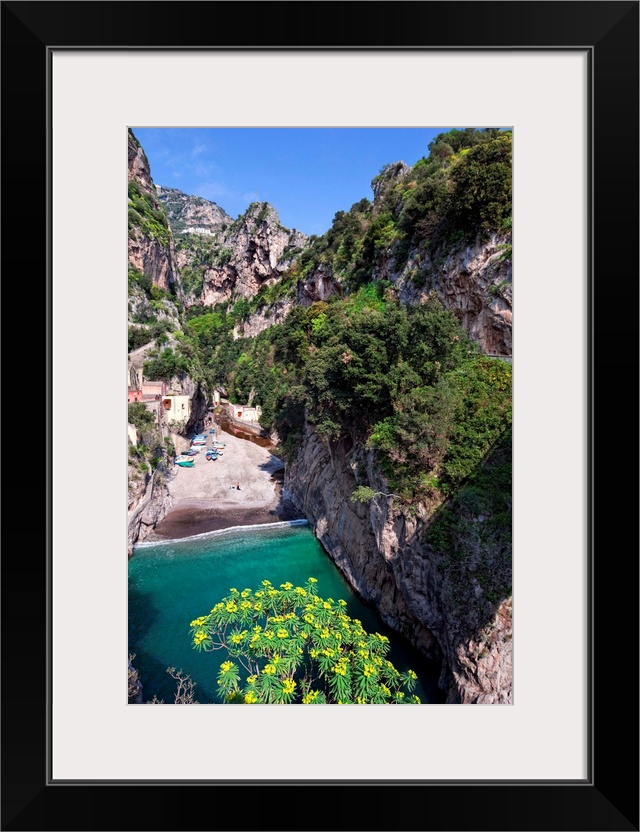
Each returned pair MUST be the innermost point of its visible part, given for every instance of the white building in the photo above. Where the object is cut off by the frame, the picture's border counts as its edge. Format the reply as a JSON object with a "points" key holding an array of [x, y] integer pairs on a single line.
{"points": [[177, 408], [245, 413]]}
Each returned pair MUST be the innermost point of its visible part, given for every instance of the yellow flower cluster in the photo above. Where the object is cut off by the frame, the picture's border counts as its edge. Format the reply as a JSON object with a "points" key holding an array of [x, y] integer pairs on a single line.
{"points": [[308, 618], [231, 606], [369, 669], [411, 674], [245, 593], [269, 669], [268, 634], [288, 686], [226, 666], [282, 634], [310, 697], [313, 580], [250, 698], [199, 637], [245, 605], [198, 622], [300, 591], [286, 586], [341, 667]]}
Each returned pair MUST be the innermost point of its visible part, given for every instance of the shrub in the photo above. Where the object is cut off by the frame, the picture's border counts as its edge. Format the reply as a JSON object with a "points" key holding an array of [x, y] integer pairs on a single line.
{"points": [[289, 646]]}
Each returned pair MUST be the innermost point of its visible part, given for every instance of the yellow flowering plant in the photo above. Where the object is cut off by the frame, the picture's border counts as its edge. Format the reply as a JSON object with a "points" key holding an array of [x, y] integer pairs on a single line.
{"points": [[291, 646]]}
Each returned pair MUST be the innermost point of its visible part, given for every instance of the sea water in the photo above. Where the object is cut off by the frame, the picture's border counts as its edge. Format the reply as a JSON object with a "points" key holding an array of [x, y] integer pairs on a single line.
{"points": [[173, 582]]}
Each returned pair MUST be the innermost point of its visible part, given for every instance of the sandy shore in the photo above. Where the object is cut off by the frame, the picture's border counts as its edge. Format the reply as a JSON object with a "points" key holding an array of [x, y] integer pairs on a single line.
{"points": [[206, 497]]}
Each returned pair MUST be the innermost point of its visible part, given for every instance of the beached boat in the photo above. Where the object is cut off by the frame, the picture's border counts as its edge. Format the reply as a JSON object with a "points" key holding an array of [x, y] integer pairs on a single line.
{"points": [[185, 463]]}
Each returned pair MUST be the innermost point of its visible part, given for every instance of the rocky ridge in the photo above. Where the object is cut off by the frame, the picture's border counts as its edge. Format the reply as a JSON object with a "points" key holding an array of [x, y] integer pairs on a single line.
{"points": [[234, 258]]}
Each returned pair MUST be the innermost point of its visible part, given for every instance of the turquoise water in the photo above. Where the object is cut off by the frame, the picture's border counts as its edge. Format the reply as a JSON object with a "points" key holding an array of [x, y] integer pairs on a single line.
{"points": [[172, 583]]}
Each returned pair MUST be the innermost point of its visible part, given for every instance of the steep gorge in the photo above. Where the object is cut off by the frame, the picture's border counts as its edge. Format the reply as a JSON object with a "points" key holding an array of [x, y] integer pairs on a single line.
{"points": [[453, 606]]}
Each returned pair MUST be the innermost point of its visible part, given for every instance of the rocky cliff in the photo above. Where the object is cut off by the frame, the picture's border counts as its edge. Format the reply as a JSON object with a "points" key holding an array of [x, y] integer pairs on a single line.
{"points": [[151, 248], [473, 282], [224, 259], [381, 550]]}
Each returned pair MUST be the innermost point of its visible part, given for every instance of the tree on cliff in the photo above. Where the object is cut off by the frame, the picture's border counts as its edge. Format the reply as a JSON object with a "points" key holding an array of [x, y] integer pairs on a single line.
{"points": [[289, 646]]}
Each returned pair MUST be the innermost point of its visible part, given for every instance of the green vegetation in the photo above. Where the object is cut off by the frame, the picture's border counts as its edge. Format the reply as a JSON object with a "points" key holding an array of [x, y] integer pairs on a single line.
{"points": [[290, 646], [147, 215], [460, 193], [472, 530], [139, 336], [150, 453], [165, 364]]}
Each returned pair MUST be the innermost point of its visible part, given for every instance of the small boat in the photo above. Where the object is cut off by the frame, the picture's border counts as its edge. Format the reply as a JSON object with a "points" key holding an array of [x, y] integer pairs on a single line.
{"points": [[185, 463], [211, 457], [217, 444]]}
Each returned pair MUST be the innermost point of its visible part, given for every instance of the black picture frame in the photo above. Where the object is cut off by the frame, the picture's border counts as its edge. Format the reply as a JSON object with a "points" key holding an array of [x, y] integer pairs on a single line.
{"points": [[608, 798]]}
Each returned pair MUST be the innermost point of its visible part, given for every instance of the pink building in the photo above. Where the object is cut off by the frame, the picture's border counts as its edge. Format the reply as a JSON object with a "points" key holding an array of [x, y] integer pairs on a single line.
{"points": [[153, 390], [134, 395]]}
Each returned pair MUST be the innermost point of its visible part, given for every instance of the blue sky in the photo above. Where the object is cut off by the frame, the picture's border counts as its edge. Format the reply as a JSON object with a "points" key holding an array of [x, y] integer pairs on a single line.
{"points": [[307, 174]]}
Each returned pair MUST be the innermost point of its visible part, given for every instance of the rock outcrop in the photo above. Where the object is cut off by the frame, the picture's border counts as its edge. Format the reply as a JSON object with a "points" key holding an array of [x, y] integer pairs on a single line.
{"points": [[193, 214], [233, 259], [151, 248], [382, 553], [474, 283]]}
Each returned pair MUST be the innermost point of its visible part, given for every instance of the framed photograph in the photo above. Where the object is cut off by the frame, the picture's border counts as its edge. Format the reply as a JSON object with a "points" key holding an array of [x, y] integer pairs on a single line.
{"points": [[563, 77]]}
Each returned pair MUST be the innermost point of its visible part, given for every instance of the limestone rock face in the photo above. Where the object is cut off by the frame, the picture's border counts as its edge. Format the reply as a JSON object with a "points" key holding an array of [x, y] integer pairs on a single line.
{"points": [[381, 552], [192, 214], [234, 259], [319, 285], [474, 283], [264, 318], [151, 248]]}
